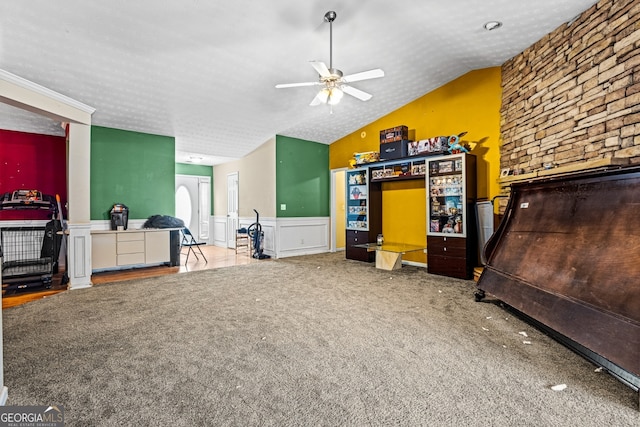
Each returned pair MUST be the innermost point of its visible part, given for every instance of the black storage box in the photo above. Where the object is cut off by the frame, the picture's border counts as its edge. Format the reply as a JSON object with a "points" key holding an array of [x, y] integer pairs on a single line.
{"points": [[393, 150], [174, 248], [396, 134]]}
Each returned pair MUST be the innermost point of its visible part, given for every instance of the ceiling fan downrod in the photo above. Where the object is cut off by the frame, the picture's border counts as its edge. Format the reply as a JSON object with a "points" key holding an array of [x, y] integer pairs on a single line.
{"points": [[330, 17]]}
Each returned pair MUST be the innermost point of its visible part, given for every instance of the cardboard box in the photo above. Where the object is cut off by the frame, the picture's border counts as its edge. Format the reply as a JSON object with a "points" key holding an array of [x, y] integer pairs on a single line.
{"points": [[366, 157], [393, 150], [398, 133], [437, 145]]}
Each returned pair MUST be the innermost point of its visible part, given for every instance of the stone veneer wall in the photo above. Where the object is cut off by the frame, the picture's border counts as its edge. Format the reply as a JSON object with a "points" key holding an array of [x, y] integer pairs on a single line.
{"points": [[574, 95]]}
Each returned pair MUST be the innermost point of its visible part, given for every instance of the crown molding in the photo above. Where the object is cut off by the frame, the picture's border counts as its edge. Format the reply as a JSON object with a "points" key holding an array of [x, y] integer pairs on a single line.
{"points": [[34, 87]]}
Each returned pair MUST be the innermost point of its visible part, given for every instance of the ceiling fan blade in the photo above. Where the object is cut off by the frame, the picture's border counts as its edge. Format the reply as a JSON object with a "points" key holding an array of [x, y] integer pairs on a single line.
{"points": [[321, 98], [357, 93], [286, 85], [321, 68], [365, 75]]}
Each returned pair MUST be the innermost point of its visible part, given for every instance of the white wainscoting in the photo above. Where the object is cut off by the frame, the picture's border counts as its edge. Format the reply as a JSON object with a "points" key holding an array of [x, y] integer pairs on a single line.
{"points": [[283, 237], [79, 256], [219, 231], [303, 236], [268, 228]]}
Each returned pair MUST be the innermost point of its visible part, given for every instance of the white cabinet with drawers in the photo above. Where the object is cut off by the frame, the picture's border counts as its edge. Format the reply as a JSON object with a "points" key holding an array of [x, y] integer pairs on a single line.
{"points": [[112, 249], [130, 248]]}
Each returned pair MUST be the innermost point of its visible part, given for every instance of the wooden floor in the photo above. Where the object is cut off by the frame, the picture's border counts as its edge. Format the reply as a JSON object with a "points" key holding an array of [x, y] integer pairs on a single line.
{"points": [[216, 257]]}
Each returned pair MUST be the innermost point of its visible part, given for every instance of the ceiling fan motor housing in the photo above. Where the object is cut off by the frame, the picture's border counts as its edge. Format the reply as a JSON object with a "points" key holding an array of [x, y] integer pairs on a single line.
{"points": [[334, 75], [330, 16]]}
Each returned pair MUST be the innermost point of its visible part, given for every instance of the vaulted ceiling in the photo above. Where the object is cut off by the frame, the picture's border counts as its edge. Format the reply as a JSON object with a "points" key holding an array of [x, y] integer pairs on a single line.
{"points": [[205, 71]]}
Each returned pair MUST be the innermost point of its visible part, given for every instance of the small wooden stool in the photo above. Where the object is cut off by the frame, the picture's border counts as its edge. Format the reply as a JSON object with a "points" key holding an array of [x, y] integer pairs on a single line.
{"points": [[243, 240]]}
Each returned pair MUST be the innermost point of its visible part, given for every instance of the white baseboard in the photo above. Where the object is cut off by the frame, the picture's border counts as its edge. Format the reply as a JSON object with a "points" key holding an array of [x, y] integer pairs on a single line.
{"points": [[415, 264], [4, 395]]}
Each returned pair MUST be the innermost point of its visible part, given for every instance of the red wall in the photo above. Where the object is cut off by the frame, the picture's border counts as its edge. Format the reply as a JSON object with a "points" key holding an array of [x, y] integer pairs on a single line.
{"points": [[33, 162]]}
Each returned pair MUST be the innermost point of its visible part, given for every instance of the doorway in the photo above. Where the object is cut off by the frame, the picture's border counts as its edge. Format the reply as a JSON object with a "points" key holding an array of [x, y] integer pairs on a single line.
{"points": [[193, 204], [338, 226], [232, 209]]}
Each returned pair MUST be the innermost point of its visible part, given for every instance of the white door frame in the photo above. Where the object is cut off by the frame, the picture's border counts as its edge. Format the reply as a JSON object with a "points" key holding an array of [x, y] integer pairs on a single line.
{"points": [[334, 207], [233, 188], [204, 207], [197, 187]]}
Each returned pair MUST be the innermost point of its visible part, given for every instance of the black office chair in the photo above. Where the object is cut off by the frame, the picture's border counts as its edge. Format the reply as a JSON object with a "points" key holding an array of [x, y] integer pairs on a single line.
{"points": [[190, 242]]}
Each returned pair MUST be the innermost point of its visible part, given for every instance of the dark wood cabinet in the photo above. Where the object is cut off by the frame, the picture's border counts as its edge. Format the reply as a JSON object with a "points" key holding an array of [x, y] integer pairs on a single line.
{"points": [[364, 213], [450, 256], [452, 247], [356, 237]]}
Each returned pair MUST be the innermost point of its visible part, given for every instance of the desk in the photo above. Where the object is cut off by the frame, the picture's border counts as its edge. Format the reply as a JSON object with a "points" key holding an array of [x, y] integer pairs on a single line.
{"points": [[389, 255]]}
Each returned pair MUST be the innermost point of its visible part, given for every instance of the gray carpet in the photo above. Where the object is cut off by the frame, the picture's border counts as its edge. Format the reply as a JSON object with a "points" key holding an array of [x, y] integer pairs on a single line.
{"points": [[310, 341]]}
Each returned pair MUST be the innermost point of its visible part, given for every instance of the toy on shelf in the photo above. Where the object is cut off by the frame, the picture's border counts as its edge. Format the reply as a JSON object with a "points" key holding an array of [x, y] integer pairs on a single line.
{"points": [[454, 144], [362, 158]]}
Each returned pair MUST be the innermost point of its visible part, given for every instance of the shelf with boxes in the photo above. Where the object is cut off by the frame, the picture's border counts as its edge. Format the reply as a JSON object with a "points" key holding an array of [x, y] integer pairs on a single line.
{"points": [[400, 158], [406, 168], [396, 143], [357, 199], [451, 231]]}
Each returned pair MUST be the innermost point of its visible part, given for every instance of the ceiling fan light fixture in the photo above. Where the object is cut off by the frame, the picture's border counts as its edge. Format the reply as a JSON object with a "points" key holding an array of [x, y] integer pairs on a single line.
{"points": [[323, 95], [333, 83], [335, 95]]}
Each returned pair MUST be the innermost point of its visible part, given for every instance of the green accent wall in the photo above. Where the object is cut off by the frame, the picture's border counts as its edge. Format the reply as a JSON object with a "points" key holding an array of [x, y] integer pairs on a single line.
{"points": [[133, 168], [302, 178], [197, 170]]}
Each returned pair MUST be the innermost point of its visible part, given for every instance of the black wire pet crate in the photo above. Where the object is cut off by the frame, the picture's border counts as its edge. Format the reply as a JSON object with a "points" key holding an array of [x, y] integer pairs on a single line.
{"points": [[29, 256], [29, 253]]}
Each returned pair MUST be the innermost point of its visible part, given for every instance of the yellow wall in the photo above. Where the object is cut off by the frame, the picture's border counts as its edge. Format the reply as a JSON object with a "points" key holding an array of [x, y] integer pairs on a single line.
{"points": [[469, 103], [341, 187]]}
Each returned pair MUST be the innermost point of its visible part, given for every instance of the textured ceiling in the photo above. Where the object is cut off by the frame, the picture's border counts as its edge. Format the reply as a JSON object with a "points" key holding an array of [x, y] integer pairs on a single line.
{"points": [[205, 71]]}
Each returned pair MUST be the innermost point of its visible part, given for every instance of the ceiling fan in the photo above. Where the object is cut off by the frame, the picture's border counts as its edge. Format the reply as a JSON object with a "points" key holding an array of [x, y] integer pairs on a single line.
{"points": [[333, 84]]}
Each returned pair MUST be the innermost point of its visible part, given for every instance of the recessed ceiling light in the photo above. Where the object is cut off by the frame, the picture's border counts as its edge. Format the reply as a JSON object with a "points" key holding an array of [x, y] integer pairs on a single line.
{"points": [[492, 25]]}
